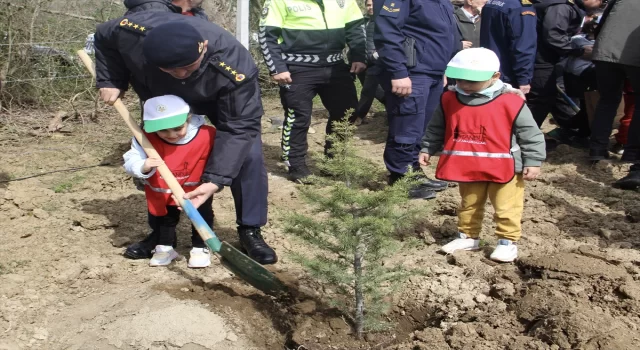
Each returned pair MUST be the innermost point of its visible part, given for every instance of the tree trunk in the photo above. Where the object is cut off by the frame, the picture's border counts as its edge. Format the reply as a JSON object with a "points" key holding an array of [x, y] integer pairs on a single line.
{"points": [[357, 268]]}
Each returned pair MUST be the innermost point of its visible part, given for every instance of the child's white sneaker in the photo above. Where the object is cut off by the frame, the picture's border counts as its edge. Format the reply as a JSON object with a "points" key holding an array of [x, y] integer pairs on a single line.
{"points": [[163, 256], [463, 242], [505, 251], [199, 258]]}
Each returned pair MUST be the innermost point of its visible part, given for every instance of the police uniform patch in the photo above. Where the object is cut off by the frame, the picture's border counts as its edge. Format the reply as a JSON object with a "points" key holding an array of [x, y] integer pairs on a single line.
{"points": [[340, 3], [528, 13], [240, 77], [526, 2], [124, 22], [390, 8]]}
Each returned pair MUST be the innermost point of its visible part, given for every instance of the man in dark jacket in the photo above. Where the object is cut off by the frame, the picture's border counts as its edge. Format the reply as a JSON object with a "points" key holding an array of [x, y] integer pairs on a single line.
{"points": [[617, 56], [415, 41], [468, 19], [558, 21], [508, 28], [165, 53], [186, 7]]}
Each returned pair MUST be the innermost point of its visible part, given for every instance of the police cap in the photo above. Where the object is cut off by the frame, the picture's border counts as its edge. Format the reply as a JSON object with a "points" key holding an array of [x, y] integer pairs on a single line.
{"points": [[173, 44]]}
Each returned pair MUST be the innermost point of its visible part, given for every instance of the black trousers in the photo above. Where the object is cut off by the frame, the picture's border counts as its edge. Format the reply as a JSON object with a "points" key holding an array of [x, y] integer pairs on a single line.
{"points": [[370, 89], [164, 227], [337, 90], [611, 78], [544, 99]]}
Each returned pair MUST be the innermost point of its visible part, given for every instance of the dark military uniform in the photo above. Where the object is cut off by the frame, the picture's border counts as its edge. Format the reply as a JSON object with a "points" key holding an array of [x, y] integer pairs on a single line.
{"points": [[508, 28], [225, 89], [433, 26]]}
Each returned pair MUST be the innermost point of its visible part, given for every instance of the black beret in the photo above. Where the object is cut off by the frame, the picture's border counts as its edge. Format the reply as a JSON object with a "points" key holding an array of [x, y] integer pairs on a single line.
{"points": [[173, 44]]}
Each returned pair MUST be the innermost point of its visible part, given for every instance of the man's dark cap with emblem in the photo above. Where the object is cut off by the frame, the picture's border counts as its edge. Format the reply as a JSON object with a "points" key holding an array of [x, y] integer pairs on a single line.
{"points": [[172, 45]]}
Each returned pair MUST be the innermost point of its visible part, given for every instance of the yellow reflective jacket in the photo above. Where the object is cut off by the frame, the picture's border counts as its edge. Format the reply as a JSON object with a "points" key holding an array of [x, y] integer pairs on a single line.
{"points": [[310, 33]]}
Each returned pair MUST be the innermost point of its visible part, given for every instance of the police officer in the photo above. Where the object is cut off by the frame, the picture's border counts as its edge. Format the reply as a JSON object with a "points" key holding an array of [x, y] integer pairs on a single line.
{"points": [[558, 21], [186, 7], [415, 42], [302, 43], [508, 27], [167, 53]]}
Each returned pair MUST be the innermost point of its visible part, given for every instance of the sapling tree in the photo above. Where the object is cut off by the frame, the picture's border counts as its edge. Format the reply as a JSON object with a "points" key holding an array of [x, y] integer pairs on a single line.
{"points": [[353, 230]]}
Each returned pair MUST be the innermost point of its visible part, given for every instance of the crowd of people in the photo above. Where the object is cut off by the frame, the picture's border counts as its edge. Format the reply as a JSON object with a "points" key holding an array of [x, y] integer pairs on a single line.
{"points": [[472, 82]]}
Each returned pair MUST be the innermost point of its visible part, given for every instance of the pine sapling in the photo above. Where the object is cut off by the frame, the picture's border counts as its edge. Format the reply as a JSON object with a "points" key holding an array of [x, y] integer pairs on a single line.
{"points": [[352, 231]]}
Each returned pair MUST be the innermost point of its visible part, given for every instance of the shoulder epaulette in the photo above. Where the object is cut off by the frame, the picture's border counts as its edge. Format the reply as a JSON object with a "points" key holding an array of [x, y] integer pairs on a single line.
{"points": [[230, 72], [134, 27]]}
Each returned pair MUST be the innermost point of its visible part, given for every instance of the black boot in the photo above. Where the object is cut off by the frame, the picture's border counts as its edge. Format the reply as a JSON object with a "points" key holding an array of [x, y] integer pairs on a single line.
{"points": [[299, 173], [142, 249], [629, 182], [254, 245], [419, 191]]}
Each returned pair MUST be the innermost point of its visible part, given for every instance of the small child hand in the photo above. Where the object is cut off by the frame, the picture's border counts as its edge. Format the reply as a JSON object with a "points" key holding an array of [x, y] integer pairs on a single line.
{"points": [[531, 172], [424, 159], [151, 163]]}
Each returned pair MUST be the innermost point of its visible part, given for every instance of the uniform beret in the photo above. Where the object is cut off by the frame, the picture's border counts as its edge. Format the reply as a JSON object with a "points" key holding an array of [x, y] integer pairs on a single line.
{"points": [[173, 44]]}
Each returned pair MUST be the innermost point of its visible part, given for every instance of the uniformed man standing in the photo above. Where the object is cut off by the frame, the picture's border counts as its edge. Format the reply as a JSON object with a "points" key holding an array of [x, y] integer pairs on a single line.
{"points": [[415, 41], [302, 43], [509, 29], [171, 54]]}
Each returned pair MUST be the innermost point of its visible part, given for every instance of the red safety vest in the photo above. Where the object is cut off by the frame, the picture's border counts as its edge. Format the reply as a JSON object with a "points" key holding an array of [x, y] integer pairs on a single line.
{"points": [[186, 162], [477, 140]]}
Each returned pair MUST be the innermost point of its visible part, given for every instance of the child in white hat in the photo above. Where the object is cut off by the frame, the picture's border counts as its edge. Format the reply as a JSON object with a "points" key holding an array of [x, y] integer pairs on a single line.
{"points": [[490, 144], [184, 144]]}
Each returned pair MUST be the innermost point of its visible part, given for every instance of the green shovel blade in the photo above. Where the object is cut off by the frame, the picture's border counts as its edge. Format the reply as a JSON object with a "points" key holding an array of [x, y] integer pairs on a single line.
{"points": [[249, 270], [241, 265]]}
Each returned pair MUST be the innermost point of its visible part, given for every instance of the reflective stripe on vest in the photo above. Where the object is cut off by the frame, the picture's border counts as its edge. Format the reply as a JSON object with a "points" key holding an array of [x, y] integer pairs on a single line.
{"points": [[477, 154]]}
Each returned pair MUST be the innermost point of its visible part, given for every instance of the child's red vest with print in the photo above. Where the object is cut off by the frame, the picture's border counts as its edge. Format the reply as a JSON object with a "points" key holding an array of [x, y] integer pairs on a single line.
{"points": [[477, 141], [186, 162]]}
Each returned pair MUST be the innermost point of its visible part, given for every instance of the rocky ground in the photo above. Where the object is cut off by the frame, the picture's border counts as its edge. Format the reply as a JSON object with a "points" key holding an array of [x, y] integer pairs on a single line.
{"points": [[65, 285]]}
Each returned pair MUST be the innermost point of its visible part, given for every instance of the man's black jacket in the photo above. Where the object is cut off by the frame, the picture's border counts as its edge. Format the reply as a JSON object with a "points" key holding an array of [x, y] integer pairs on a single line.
{"points": [[558, 21], [224, 88]]}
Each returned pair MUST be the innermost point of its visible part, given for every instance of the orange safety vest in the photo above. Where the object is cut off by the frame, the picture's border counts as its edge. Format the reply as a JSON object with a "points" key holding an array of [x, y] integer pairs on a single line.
{"points": [[477, 140], [186, 162]]}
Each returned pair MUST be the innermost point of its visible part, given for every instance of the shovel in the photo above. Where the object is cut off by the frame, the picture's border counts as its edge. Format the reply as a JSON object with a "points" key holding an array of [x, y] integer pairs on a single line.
{"points": [[234, 260]]}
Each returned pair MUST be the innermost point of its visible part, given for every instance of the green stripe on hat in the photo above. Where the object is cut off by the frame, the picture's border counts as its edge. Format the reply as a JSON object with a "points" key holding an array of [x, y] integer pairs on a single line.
{"points": [[174, 121], [468, 74]]}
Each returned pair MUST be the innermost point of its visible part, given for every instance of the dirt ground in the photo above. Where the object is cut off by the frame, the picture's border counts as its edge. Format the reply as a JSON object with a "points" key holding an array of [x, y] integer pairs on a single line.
{"points": [[65, 285]]}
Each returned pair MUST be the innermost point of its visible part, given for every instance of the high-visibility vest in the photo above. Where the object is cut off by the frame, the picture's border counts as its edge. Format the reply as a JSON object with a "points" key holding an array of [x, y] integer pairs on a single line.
{"points": [[477, 141], [186, 162]]}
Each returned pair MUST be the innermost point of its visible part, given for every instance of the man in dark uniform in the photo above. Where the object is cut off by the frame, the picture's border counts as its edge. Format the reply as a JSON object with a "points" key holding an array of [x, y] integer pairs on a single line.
{"points": [[558, 21], [415, 42], [186, 7], [167, 53], [508, 28]]}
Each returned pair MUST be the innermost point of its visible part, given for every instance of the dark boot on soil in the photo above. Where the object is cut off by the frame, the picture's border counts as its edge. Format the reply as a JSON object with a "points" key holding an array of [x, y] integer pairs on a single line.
{"points": [[144, 249], [423, 190], [300, 173], [629, 182], [254, 245]]}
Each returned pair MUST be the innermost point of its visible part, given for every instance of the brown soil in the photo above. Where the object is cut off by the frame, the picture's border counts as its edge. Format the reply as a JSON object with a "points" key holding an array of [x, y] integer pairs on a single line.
{"points": [[65, 285]]}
